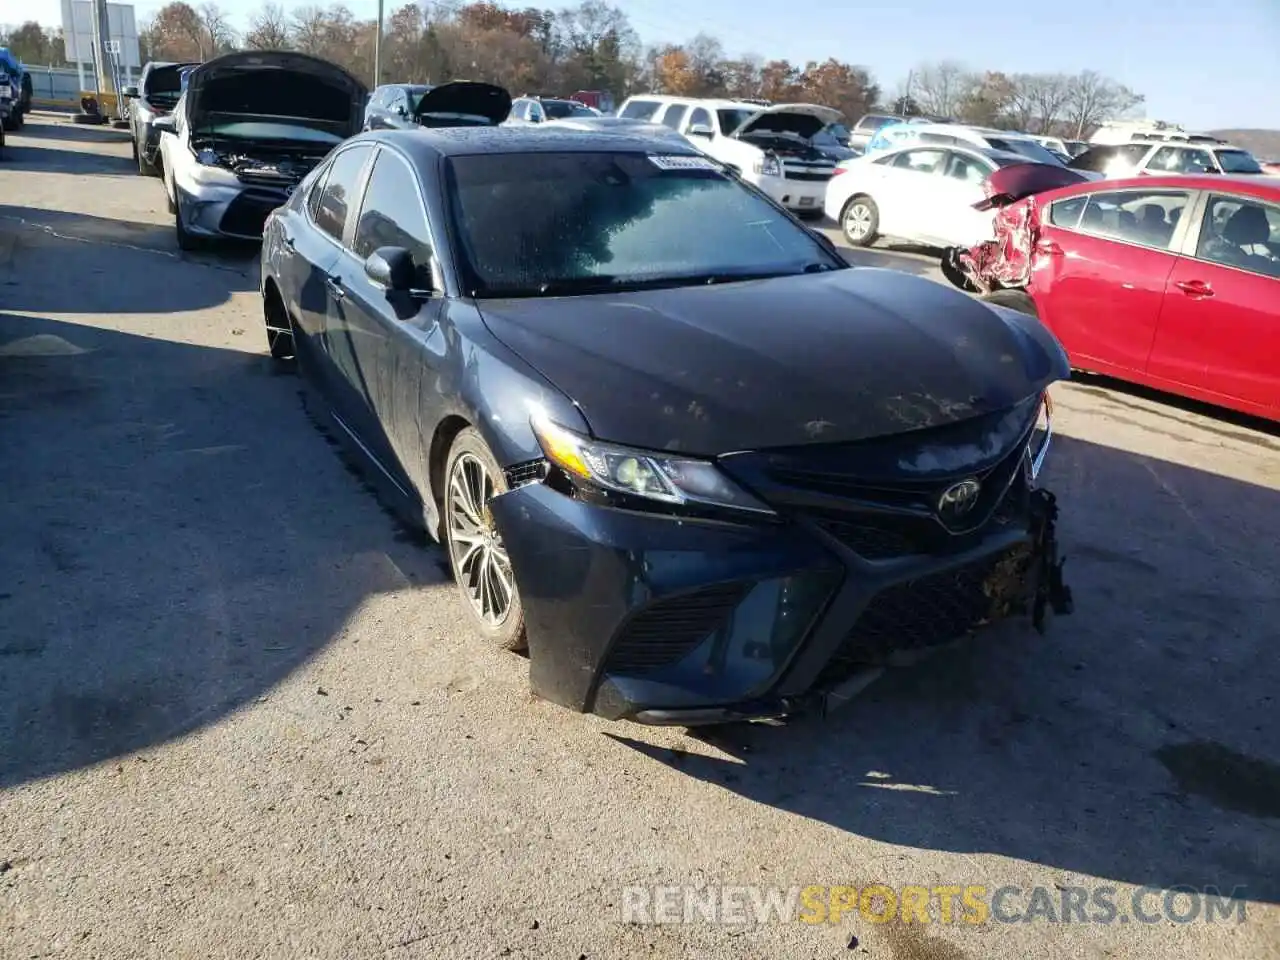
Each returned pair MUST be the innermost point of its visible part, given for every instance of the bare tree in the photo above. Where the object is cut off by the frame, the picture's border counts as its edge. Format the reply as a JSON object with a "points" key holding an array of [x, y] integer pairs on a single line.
{"points": [[1093, 98], [941, 88], [219, 34], [268, 29], [1049, 94]]}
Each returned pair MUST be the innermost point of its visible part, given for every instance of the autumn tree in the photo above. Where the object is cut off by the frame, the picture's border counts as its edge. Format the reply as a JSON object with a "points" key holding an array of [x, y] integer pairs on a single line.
{"points": [[1092, 99], [31, 43]]}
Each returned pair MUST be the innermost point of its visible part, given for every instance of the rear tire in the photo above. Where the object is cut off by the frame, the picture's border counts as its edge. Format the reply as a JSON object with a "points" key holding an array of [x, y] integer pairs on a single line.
{"points": [[479, 560], [1014, 300], [860, 221]]}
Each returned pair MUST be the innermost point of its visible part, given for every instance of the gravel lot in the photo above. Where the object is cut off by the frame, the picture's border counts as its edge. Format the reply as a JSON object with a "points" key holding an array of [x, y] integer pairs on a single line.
{"points": [[240, 714]]}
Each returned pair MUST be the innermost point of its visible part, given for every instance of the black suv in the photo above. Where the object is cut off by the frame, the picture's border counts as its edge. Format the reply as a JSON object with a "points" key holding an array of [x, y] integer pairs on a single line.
{"points": [[156, 95]]}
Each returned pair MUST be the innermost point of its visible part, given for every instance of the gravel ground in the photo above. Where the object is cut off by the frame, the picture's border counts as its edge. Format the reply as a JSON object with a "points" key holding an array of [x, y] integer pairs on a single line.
{"points": [[241, 715]]}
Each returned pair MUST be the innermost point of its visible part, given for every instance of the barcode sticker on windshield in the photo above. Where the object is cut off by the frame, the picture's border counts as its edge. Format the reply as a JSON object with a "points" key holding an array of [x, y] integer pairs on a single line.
{"points": [[671, 161]]}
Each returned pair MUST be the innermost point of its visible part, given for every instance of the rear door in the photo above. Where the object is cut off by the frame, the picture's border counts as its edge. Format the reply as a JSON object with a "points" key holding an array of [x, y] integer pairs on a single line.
{"points": [[389, 334], [957, 223], [1100, 269], [1220, 328]]}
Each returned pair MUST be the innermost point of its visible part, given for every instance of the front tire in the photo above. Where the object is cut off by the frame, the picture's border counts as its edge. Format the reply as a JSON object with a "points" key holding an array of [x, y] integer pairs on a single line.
{"points": [[144, 168], [479, 559], [860, 221], [186, 241]]}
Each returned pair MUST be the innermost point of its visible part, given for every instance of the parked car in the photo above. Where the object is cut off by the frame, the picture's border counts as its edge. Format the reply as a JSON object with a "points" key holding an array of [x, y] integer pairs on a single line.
{"points": [[157, 92], [393, 105], [920, 194], [769, 147], [248, 128], [542, 109], [15, 87], [562, 356], [833, 141], [867, 127], [1172, 282], [956, 134], [1163, 158]]}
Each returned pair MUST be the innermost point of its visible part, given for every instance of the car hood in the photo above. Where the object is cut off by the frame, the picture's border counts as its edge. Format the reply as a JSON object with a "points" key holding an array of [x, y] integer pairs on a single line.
{"points": [[802, 119], [263, 70], [467, 98], [839, 357]]}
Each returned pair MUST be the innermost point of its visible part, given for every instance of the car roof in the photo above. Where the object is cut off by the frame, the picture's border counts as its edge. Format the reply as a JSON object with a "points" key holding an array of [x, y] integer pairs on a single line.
{"points": [[426, 143], [714, 103], [403, 86], [965, 147], [1262, 187]]}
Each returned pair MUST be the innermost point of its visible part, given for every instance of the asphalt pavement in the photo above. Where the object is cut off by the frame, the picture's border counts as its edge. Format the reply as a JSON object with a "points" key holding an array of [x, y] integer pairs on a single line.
{"points": [[241, 714]]}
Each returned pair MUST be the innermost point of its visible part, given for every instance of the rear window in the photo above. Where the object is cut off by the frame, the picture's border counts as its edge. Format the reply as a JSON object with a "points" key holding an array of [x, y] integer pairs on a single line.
{"points": [[165, 84], [562, 109], [731, 120], [1097, 159], [874, 122], [1028, 148]]}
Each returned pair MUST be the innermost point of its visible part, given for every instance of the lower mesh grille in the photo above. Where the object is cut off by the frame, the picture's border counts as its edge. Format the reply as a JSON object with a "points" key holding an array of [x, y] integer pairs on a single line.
{"points": [[666, 632], [246, 214], [930, 611], [531, 471]]}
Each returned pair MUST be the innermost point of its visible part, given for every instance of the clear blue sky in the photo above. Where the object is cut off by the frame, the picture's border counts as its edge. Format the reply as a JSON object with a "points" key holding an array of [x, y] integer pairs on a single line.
{"points": [[1200, 63]]}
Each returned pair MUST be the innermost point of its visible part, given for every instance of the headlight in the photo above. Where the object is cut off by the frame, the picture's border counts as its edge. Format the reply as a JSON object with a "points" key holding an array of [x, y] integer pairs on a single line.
{"points": [[207, 172], [1040, 436], [768, 166], [641, 473]]}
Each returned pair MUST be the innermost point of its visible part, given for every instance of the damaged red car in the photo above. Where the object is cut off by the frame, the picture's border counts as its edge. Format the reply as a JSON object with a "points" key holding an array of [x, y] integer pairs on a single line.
{"points": [[1168, 282]]}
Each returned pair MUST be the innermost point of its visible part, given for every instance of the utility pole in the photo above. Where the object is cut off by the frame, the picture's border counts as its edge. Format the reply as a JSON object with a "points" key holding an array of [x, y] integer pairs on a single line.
{"points": [[101, 35], [377, 49]]}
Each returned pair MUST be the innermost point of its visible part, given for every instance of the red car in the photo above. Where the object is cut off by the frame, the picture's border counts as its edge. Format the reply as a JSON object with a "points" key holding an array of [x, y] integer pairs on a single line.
{"points": [[1172, 282]]}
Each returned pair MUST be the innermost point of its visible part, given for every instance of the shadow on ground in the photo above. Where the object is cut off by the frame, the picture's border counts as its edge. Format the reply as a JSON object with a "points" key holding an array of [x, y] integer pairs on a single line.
{"points": [[177, 540], [41, 127], [61, 262], [1136, 742], [28, 154]]}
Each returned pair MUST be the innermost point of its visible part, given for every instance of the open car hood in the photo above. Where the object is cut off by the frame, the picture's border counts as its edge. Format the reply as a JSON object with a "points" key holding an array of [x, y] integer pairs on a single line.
{"points": [[1013, 183], [276, 82], [464, 98], [802, 119]]}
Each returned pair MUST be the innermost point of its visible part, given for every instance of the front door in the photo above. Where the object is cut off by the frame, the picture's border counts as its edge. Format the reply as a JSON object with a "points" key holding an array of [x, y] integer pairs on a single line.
{"points": [[1220, 328]]}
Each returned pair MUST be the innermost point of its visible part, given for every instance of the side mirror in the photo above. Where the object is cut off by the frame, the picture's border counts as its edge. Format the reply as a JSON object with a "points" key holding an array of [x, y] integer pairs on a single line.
{"points": [[129, 93], [394, 269], [165, 124], [402, 110], [701, 130]]}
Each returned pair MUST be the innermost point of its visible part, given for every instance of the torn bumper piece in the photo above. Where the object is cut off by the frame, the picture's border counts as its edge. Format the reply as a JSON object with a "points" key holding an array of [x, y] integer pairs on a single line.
{"points": [[672, 620]]}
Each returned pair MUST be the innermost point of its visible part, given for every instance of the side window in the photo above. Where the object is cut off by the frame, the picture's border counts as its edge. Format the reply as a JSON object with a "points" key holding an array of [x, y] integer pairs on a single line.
{"points": [[1135, 216], [536, 113], [640, 110], [339, 186], [380, 98], [966, 168], [392, 215], [701, 117], [920, 161], [1066, 213], [1241, 233], [675, 113], [1181, 160], [938, 138], [519, 109], [317, 189]]}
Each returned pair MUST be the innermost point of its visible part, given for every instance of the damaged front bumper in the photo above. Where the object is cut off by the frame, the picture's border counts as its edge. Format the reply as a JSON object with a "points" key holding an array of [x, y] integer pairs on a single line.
{"points": [[672, 620], [227, 212]]}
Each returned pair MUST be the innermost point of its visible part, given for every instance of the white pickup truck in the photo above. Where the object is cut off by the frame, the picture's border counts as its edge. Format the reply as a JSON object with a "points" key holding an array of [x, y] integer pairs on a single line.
{"points": [[769, 147]]}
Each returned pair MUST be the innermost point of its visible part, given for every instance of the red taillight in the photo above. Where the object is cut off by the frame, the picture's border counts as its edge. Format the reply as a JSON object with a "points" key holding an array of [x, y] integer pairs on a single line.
{"points": [[838, 170]]}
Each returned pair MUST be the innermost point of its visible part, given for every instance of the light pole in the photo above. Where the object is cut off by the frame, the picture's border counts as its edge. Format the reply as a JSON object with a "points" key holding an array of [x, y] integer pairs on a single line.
{"points": [[377, 49]]}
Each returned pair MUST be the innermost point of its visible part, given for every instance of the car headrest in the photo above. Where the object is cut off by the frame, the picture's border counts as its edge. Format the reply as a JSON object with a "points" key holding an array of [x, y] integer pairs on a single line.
{"points": [[1248, 225]]}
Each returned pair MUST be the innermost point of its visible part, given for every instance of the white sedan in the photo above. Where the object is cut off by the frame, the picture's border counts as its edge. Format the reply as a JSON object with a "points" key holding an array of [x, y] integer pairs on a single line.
{"points": [[920, 193]]}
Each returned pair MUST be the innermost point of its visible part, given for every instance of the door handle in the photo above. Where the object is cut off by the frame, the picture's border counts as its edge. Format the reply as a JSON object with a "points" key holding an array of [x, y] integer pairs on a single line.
{"points": [[334, 285], [1195, 289]]}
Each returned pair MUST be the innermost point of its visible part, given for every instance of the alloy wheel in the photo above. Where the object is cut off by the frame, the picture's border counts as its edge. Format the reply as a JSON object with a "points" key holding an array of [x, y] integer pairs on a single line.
{"points": [[480, 561]]}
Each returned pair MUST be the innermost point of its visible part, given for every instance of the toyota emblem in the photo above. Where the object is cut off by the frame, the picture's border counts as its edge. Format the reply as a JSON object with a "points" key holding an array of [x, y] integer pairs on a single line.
{"points": [[959, 499]]}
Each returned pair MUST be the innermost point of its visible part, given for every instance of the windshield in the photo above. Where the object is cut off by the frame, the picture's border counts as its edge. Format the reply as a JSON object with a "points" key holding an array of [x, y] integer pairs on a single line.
{"points": [[1028, 148], [731, 120], [556, 223], [560, 109], [415, 97], [270, 130], [1238, 161], [166, 84], [875, 122]]}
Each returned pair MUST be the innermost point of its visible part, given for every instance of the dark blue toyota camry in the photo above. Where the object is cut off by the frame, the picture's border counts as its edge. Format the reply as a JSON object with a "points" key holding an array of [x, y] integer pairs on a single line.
{"points": [[673, 444]]}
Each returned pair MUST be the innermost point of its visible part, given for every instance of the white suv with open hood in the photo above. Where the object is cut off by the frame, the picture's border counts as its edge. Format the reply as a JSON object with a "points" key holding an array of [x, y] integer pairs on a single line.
{"points": [[770, 147]]}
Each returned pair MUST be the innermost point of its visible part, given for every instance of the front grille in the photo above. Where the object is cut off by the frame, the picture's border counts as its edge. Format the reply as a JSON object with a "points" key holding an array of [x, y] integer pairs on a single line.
{"points": [[246, 215], [930, 611], [808, 177], [668, 630]]}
